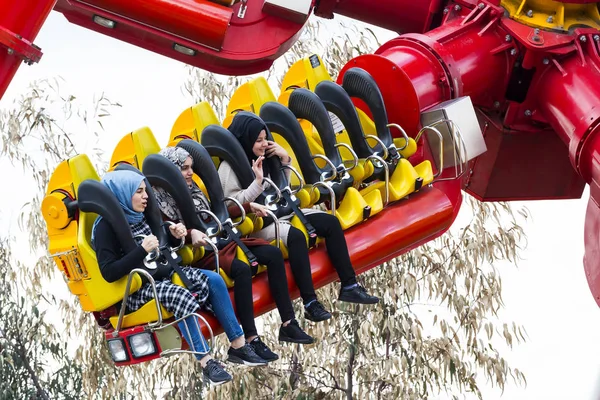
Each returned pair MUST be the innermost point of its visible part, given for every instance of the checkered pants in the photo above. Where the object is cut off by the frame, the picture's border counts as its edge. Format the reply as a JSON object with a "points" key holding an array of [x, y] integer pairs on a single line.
{"points": [[174, 298]]}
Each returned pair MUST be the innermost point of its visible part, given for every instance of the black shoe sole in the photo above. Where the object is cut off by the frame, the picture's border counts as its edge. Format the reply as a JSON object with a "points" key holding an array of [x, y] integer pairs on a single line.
{"points": [[292, 340], [270, 359], [310, 318], [237, 360], [354, 301]]}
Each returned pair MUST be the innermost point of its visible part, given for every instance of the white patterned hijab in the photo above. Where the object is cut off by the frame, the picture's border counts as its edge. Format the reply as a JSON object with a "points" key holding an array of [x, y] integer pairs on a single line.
{"points": [[166, 202]]}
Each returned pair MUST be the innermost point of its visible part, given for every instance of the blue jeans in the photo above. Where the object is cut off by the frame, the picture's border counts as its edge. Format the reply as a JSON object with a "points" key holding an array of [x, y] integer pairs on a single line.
{"points": [[218, 298], [190, 329]]}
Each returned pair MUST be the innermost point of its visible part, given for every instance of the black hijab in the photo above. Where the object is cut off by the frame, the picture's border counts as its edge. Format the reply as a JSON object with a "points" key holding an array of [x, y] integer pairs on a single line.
{"points": [[246, 127]]}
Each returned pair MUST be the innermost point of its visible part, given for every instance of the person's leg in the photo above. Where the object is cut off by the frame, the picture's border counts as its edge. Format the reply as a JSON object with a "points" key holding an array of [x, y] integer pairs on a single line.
{"points": [[239, 352], [290, 330], [182, 303], [329, 228], [242, 296], [221, 304], [271, 257], [190, 329], [300, 264]]}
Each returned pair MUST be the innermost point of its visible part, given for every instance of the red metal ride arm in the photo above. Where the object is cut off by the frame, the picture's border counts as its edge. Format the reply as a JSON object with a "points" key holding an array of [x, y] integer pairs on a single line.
{"points": [[537, 97], [238, 40], [20, 22]]}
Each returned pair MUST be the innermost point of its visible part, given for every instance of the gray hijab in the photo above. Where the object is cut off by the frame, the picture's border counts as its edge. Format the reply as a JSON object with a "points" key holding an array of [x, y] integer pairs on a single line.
{"points": [[166, 202]]}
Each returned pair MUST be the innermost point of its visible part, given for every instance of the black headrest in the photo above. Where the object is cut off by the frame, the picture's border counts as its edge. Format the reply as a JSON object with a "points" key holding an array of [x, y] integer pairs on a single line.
{"points": [[203, 167], [360, 84], [281, 120], [337, 101], [307, 105], [221, 143], [161, 172]]}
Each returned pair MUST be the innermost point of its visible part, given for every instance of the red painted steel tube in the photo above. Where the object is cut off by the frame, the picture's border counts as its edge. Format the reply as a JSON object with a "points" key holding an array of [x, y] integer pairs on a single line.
{"points": [[568, 96], [415, 72], [250, 44], [422, 218], [397, 15], [196, 20], [23, 18]]}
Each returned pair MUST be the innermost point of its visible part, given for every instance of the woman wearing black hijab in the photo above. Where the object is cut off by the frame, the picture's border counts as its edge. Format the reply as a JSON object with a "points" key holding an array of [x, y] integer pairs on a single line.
{"points": [[251, 132]]}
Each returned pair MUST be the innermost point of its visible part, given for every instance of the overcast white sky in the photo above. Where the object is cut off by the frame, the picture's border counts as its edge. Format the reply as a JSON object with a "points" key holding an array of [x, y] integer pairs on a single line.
{"points": [[548, 293]]}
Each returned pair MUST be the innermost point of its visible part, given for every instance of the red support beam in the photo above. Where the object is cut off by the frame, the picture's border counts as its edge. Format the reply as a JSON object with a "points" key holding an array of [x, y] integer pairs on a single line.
{"points": [[20, 22]]}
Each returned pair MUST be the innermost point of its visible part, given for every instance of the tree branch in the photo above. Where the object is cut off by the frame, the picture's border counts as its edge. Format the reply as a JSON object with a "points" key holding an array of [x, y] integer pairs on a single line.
{"points": [[20, 351]]}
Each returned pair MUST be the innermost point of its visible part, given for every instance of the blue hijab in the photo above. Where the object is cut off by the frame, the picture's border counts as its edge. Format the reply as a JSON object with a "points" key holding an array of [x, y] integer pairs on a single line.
{"points": [[123, 184]]}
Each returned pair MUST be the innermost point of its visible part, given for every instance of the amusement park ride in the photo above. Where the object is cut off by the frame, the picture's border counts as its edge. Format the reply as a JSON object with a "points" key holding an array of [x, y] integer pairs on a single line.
{"points": [[499, 98]]}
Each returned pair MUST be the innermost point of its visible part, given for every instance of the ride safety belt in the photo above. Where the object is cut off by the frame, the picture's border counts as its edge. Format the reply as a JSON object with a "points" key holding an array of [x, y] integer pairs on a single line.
{"points": [[252, 260], [167, 256], [312, 232]]}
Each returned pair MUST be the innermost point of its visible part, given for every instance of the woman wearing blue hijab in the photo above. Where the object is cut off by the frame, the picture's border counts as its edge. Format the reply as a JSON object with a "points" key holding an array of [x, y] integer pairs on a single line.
{"points": [[130, 190]]}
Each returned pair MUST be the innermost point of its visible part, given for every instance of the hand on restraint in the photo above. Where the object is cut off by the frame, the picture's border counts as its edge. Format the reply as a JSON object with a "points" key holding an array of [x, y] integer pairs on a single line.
{"points": [[178, 230], [258, 209], [199, 238], [150, 243], [257, 169], [274, 149]]}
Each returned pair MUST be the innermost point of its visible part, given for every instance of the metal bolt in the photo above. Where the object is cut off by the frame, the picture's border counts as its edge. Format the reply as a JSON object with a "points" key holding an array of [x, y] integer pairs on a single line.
{"points": [[513, 52], [596, 38], [550, 19], [536, 31], [10, 51], [481, 5], [446, 11], [530, 13], [457, 8], [528, 113], [583, 39], [496, 104], [546, 61], [507, 38]]}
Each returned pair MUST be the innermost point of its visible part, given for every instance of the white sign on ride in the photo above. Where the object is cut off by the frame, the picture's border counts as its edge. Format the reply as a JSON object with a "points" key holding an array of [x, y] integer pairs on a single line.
{"points": [[338, 127]]}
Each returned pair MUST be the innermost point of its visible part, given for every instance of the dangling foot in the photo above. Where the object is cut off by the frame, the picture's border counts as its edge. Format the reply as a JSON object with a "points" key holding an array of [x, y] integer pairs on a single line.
{"points": [[262, 350], [357, 294], [215, 373], [245, 355], [315, 312], [292, 333]]}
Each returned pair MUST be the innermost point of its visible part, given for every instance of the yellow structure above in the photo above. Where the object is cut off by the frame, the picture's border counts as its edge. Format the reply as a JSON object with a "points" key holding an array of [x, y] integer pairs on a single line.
{"points": [[553, 15]]}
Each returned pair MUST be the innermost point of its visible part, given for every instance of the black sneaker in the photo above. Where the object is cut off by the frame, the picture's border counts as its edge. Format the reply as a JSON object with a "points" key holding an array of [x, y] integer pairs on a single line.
{"points": [[245, 355], [358, 295], [294, 334], [215, 374], [316, 312], [262, 350]]}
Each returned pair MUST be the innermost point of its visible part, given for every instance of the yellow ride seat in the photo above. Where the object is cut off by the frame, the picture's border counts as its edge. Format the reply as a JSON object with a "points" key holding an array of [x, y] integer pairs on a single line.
{"points": [[133, 149], [307, 73], [402, 181], [250, 97], [424, 169], [70, 245], [192, 121], [350, 211]]}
